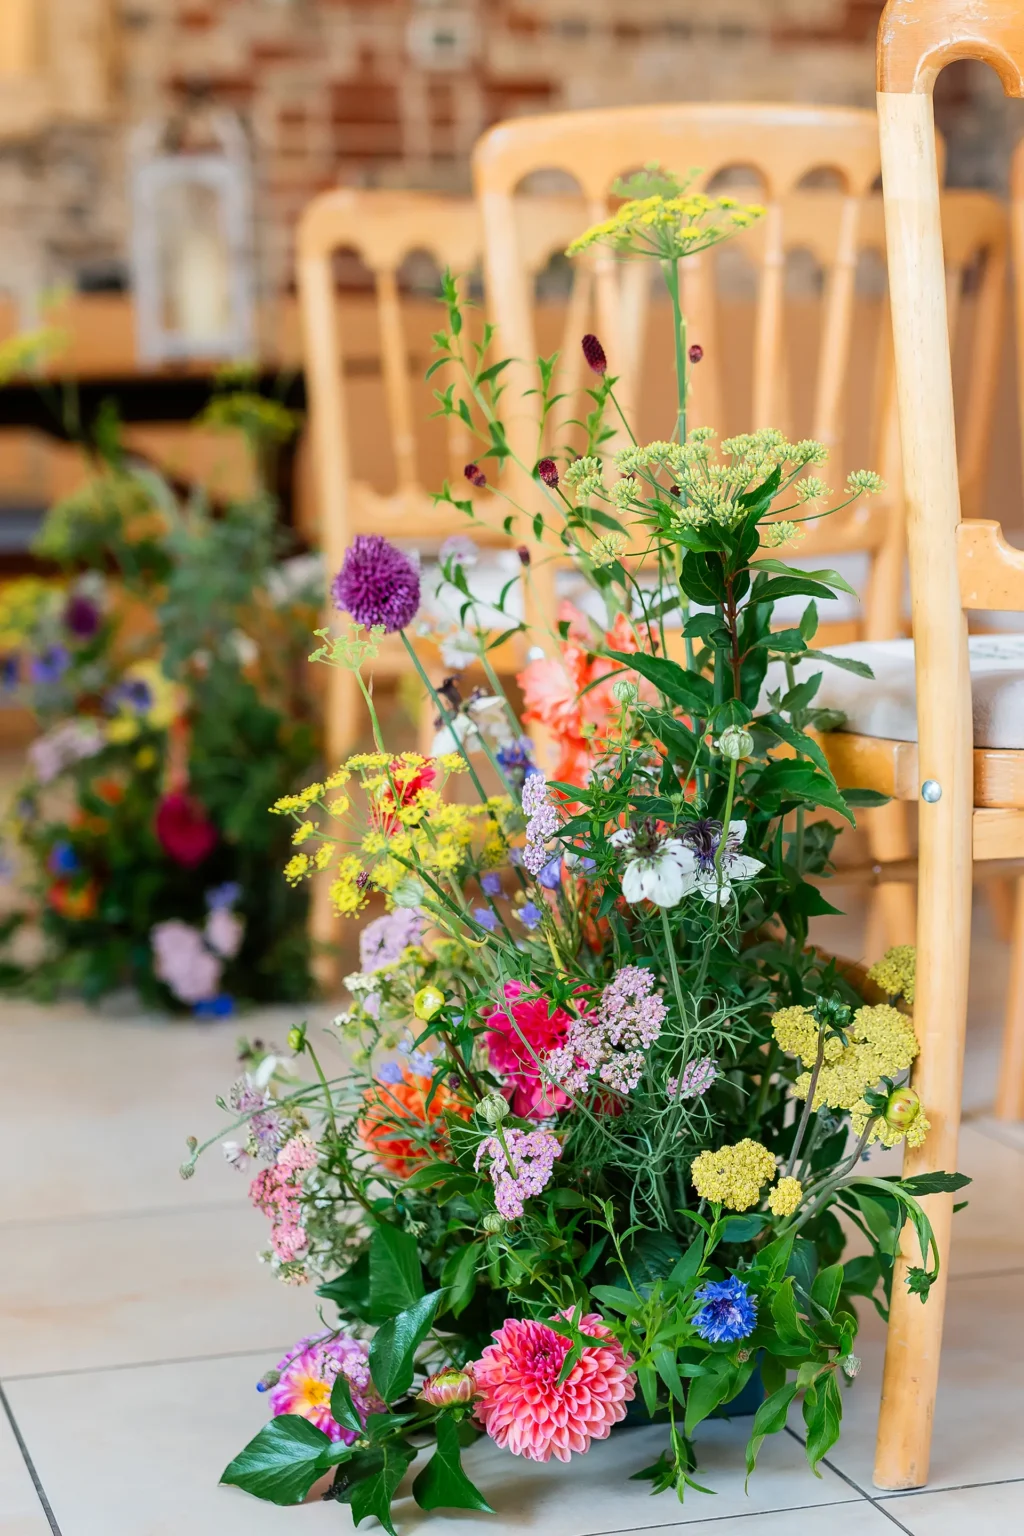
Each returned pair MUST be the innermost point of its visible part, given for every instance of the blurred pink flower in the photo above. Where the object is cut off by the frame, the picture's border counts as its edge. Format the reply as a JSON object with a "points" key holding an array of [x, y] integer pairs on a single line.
{"points": [[183, 962], [224, 932]]}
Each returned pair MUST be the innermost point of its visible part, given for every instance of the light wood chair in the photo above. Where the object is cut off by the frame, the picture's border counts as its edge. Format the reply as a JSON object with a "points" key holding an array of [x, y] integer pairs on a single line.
{"points": [[971, 797]]}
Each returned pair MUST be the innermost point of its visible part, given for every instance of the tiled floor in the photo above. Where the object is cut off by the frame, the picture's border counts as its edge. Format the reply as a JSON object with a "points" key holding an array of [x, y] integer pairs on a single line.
{"points": [[134, 1323]]}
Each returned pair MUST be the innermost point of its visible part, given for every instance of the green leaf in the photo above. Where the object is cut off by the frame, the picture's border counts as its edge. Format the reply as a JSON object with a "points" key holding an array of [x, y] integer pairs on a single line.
{"points": [[282, 1462], [617, 1298], [686, 1269], [780, 568], [797, 739], [865, 797], [393, 1351], [371, 1481], [350, 1292], [706, 1392], [443, 1484], [934, 1184], [740, 1229], [826, 1286], [342, 1407], [790, 586], [792, 780], [668, 1370], [687, 689], [823, 1416], [844, 663], [787, 1323], [769, 1419], [395, 1277], [459, 1277]]}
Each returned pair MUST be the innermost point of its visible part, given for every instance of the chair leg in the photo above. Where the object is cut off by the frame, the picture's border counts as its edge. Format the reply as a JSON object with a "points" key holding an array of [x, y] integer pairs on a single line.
{"points": [[1009, 1102], [1002, 896], [892, 915]]}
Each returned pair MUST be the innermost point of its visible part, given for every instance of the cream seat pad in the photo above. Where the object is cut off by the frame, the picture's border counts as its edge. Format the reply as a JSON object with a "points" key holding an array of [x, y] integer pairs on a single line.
{"points": [[887, 706]]}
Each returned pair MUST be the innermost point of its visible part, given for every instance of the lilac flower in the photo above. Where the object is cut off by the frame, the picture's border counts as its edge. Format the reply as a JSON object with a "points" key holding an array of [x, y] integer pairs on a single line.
{"points": [[696, 1079], [458, 549], [550, 876], [390, 1073], [224, 931], [377, 584], [70, 742], [486, 918], [269, 1130], [532, 1155], [225, 895], [491, 883], [631, 1011], [729, 1311], [183, 963], [610, 1042], [529, 914], [714, 876], [542, 822], [51, 665], [383, 941]]}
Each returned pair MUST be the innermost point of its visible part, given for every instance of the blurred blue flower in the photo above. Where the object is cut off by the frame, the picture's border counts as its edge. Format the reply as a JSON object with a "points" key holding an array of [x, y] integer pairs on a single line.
{"points": [[220, 896], [390, 1072], [10, 668], [729, 1311], [63, 859], [515, 759], [529, 914], [491, 883], [550, 876], [220, 1007], [486, 918], [51, 665]]}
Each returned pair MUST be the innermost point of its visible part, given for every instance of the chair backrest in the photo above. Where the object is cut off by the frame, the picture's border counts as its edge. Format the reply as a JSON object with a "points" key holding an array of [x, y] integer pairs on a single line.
{"points": [[793, 150]]}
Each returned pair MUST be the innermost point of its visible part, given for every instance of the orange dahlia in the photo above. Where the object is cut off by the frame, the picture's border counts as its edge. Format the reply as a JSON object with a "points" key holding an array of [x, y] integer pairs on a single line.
{"points": [[404, 1121]]}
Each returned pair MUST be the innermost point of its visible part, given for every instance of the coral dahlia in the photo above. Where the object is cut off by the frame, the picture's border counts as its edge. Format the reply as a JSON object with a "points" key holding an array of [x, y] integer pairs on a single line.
{"points": [[524, 1408]]}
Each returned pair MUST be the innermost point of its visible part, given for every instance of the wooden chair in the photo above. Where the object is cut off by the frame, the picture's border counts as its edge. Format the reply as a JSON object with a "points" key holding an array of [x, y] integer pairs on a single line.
{"points": [[971, 796], [788, 147]]}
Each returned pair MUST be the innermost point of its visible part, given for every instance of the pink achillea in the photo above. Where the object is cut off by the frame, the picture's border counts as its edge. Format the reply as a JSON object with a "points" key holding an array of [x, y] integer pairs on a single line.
{"points": [[523, 1407], [519, 1038], [277, 1193]]}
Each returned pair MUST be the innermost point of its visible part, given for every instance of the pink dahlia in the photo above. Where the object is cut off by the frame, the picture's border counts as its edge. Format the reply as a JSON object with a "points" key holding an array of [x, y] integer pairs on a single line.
{"points": [[522, 1405], [308, 1373], [518, 1039]]}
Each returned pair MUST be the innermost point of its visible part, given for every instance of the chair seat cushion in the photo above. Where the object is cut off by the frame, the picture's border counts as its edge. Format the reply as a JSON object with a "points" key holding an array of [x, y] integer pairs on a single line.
{"points": [[887, 705]]}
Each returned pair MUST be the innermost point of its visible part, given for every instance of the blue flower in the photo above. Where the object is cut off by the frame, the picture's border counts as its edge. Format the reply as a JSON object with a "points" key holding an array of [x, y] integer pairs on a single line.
{"points": [[529, 915], [515, 759], [550, 876], [10, 671], [390, 1072], [490, 883], [486, 918], [51, 665], [729, 1311], [225, 895], [63, 859], [220, 1007]]}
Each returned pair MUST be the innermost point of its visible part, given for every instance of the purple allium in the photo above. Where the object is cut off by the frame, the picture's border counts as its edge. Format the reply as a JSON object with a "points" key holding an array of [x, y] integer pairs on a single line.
{"points": [[377, 584], [547, 470], [475, 475], [491, 883], [729, 1311], [594, 353], [81, 617], [696, 352], [307, 1374], [486, 918], [383, 941], [51, 665], [529, 914]]}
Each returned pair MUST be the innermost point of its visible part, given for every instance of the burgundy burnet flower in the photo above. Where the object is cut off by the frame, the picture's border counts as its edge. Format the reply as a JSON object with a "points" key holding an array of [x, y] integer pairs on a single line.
{"points": [[183, 830], [547, 471], [377, 584], [475, 475], [696, 352], [594, 354], [524, 554], [81, 617]]}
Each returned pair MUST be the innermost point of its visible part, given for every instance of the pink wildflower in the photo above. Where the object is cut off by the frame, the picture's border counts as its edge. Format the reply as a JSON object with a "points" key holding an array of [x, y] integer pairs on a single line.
{"points": [[532, 1155], [611, 1041], [524, 1408], [277, 1192], [183, 962], [696, 1079], [518, 1040], [224, 932], [542, 822], [308, 1374]]}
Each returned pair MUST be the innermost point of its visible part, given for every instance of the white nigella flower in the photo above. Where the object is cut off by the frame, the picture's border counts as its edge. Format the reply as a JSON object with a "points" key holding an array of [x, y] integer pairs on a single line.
{"points": [[714, 877], [236, 1155], [658, 868]]}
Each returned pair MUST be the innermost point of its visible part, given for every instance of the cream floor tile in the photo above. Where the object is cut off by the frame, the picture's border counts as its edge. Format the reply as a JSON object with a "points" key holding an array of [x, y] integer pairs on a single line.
{"points": [[169, 1285], [856, 1519], [21, 1513], [149, 1445], [980, 1407], [997, 1509], [105, 1103]]}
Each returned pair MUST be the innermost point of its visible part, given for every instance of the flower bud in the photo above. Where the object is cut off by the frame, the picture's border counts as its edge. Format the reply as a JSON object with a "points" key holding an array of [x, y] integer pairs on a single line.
{"points": [[696, 352], [493, 1108], [524, 554], [593, 351], [416, 1228], [191, 1142], [850, 1365], [625, 692], [428, 1001], [297, 1038], [448, 1387], [493, 1224], [267, 1380], [902, 1108], [735, 743], [547, 471], [187, 1170], [409, 892], [475, 475]]}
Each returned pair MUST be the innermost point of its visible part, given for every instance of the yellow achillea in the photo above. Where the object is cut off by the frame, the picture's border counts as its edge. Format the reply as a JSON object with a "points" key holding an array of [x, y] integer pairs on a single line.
{"points": [[785, 1197], [733, 1176], [796, 1030], [889, 1135], [882, 1044], [896, 972]]}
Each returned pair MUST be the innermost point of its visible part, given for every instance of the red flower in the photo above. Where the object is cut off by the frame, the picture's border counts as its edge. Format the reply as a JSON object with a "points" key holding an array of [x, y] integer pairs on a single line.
{"points": [[184, 831], [74, 902], [516, 1044], [408, 781]]}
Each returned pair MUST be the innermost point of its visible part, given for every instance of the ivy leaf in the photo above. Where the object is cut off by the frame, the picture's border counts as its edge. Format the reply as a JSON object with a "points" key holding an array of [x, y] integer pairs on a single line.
{"points": [[443, 1484], [282, 1462], [343, 1409], [395, 1277], [371, 1479], [393, 1351]]}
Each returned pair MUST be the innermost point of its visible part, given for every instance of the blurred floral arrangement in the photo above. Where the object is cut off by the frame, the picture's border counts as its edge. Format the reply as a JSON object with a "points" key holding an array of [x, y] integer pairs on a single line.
{"points": [[578, 1150], [165, 669]]}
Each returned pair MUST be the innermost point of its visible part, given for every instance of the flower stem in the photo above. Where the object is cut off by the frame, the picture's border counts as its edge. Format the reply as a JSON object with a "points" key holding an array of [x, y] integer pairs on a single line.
{"points": [[805, 1117], [677, 985]]}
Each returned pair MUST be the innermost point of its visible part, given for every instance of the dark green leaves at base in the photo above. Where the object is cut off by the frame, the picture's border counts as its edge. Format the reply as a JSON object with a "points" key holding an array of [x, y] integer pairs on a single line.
{"points": [[284, 1460], [370, 1480], [443, 1484]]}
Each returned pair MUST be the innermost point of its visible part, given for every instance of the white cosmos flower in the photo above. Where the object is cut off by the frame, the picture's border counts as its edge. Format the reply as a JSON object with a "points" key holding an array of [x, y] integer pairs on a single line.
{"points": [[714, 883], [658, 869]]}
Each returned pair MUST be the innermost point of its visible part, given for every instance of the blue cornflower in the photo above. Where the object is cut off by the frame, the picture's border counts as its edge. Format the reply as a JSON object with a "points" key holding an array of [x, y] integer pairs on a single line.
{"points": [[490, 883], [51, 665], [390, 1072], [550, 876], [486, 918], [729, 1311], [219, 1007], [515, 759], [529, 914], [63, 859], [220, 896]]}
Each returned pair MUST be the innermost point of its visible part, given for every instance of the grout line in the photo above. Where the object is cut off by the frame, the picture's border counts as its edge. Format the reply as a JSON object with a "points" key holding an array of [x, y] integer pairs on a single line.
{"points": [[30, 1464], [142, 1365], [850, 1483], [746, 1514], [993, 1131], [916, 1493], [987, 1274], [72, 1220]]}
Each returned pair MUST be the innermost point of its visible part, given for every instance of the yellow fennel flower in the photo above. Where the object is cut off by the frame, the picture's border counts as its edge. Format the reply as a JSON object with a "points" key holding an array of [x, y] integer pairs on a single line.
{"points": [[304, 831], [785, 1197], [297, 868]]}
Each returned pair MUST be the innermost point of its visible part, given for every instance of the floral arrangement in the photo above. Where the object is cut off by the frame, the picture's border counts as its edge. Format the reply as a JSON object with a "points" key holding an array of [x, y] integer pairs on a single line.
{"points": [[165, 667], [589, 1141]]}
